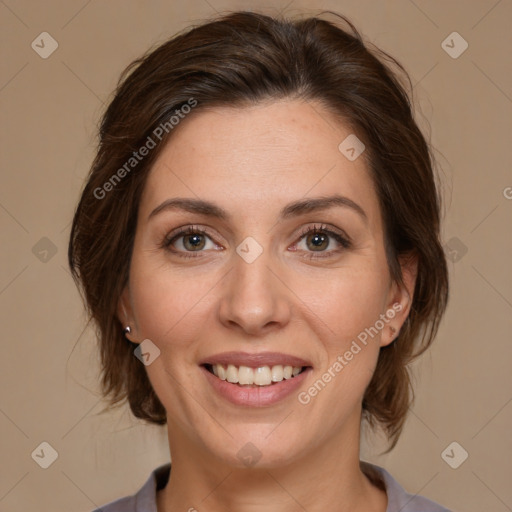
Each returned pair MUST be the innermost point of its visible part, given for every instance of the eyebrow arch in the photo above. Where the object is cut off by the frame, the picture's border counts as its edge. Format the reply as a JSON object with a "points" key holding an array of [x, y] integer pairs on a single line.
{"points": [[296, 208], [320, 203]]}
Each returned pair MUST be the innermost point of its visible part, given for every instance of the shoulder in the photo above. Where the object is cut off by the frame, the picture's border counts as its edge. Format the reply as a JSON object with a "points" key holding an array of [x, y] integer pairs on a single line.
{"points": [[398, 499], [145, 498]]}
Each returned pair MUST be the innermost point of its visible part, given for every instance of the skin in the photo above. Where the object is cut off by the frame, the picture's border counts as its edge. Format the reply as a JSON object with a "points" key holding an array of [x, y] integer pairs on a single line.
{"points": [[252, 162]]}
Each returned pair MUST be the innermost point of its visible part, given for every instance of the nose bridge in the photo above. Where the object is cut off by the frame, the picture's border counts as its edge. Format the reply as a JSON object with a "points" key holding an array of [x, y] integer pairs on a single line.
{"points": [[254, 299]]}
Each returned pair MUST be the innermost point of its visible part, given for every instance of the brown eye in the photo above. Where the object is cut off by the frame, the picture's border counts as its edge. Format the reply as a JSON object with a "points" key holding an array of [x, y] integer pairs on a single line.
{"points": [[322, 242], [194, 242], [317, 241], [189, 242]]}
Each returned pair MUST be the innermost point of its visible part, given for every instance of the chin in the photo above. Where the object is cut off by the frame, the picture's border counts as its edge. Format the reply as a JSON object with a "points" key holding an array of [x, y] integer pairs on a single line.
{"points": [[253, 447]]}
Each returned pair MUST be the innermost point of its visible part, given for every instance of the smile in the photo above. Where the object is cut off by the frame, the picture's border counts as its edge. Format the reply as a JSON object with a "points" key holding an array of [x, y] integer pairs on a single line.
{"points": [[254, 377]]}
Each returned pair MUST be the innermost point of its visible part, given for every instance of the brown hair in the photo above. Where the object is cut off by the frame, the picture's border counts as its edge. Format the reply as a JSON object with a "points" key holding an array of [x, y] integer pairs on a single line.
{"points": [[239, 59]]}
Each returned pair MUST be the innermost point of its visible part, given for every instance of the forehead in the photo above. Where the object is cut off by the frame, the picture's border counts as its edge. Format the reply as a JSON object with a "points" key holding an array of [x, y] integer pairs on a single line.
{"points": [[259, 157]]}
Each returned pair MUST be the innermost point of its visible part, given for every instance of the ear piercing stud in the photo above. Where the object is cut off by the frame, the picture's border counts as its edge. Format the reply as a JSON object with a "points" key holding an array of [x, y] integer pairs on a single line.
{"points": [[127, 329]]}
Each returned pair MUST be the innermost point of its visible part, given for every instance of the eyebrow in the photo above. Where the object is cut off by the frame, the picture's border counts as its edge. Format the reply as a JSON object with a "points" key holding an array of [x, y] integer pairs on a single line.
{"points": [[296, 208]]}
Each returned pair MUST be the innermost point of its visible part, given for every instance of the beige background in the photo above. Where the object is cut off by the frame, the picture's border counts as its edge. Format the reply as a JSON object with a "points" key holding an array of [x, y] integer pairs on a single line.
{"points": [[50, 108]]}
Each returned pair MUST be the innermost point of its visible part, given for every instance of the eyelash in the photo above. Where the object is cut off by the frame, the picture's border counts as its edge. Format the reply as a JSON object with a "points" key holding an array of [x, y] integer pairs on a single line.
{"points": [[343, 240]]}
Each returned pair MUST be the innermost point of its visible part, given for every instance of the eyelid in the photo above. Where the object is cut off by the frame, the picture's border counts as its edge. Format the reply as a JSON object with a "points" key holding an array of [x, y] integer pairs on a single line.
{"points": [[339, 235], [186, 230], [325, 228]]}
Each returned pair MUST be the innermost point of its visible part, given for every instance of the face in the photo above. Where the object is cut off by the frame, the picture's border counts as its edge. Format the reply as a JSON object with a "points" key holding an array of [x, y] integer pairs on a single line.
{"points": [[276, 259]]}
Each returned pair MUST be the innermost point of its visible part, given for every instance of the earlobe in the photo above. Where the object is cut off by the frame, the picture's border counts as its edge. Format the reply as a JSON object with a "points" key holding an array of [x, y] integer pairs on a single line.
{"points": [[124, 314]]}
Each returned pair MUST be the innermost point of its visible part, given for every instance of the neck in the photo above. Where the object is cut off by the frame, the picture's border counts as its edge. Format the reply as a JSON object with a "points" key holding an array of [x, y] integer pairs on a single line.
{"points": [[327, 474]]}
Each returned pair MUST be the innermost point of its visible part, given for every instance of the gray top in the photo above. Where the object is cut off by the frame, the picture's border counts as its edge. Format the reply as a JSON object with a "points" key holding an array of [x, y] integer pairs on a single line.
{"points": [[398, 500]]}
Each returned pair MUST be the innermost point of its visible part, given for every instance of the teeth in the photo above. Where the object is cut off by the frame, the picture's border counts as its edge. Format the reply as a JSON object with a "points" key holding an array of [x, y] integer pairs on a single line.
{"points": [[221, 372], [277, 373], [245, 375], [232, 374], [261, 376]]}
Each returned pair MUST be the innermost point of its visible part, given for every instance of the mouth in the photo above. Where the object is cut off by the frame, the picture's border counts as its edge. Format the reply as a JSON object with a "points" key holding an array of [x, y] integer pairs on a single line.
{"points": [[260, 379], [254, 377]]}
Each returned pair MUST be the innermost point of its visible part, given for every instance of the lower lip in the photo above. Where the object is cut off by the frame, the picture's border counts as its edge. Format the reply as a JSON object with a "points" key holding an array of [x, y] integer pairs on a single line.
{"points": [[260, 396]]}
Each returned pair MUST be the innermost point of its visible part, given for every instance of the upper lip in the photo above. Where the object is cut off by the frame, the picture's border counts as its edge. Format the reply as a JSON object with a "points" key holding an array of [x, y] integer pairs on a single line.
{"points": [[255, 360]]}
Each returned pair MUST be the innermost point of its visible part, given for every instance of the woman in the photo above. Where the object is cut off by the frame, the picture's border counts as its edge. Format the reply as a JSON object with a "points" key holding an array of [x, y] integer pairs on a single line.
{"points": [[258, 244]]}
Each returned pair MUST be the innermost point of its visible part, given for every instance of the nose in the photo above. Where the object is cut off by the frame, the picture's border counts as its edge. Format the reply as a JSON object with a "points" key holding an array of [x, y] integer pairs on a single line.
{"points": [[254, 299]]}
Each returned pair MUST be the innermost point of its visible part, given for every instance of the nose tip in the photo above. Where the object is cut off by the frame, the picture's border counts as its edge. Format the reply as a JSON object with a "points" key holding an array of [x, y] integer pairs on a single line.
{"points": [[252, 322], [253, 299]]}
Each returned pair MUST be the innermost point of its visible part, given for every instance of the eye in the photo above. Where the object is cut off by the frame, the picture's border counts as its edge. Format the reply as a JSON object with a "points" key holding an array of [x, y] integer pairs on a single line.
{"points": [[313, 239], [190, 240], [318, 239]]}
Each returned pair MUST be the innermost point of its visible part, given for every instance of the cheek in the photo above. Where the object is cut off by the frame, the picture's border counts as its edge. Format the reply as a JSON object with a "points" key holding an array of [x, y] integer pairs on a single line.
{"points": [[168, 306], [351, 307], [348, 302], [170, 310]]}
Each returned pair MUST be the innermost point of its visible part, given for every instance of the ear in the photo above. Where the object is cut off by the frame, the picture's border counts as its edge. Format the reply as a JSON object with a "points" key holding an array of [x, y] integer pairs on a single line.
{"points": [[125, 314], [400, 298]]}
